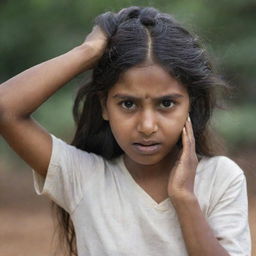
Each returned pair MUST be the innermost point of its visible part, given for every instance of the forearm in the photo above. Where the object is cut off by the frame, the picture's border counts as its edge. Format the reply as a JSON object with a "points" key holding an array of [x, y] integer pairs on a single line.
{"points": [[198, 235], [23, 94]]}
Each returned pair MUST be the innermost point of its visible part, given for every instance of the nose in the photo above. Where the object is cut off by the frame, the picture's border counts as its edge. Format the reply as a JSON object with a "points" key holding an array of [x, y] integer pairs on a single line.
{"points": [[147, 123]]}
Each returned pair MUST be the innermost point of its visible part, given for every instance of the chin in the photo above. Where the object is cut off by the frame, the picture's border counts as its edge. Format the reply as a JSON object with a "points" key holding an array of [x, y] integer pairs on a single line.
{"points": [[146, 160]]}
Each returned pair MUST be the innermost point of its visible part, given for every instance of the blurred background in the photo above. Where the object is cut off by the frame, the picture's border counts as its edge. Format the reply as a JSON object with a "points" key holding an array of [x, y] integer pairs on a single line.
{"points": [[32, 31]]}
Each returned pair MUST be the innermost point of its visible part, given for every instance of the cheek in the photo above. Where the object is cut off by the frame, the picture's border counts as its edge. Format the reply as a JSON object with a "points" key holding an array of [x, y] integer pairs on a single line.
{"points": [[173, 128], [175, 121], [120, 128], [120, 133], [174, 131]]}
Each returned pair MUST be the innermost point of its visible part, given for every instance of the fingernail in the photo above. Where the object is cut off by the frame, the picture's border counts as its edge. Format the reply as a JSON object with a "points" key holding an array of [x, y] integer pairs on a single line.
{"points": [[189, 119]]}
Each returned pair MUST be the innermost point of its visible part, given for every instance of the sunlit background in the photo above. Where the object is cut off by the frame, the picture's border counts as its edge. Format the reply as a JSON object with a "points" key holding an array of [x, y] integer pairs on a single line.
{"points": [[36, 30]]}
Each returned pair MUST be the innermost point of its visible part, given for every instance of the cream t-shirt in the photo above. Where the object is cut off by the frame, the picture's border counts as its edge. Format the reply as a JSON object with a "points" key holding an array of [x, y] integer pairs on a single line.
{"points": [[114, 216]]}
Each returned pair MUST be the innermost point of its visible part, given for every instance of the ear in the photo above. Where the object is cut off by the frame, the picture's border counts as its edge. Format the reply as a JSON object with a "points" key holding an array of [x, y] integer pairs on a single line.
{"points": [[104, 112], [103, 103]]}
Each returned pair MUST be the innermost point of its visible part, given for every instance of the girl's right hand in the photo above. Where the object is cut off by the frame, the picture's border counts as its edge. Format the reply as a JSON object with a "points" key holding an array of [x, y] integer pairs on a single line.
{"points": [[23, 134], [97, 40]]}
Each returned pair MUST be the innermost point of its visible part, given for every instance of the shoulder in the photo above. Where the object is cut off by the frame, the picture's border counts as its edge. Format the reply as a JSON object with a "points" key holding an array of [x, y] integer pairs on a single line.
{"points": [[220, 171], [219, 178], [222, 164], [65, 153]]}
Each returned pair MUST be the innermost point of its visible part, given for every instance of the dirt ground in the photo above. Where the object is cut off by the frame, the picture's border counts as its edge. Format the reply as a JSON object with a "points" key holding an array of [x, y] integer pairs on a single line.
{"points": [[26, 225]]}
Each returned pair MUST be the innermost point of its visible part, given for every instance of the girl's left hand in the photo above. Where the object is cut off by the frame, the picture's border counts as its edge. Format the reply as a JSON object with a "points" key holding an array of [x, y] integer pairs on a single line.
{"points": [[182, 175]]}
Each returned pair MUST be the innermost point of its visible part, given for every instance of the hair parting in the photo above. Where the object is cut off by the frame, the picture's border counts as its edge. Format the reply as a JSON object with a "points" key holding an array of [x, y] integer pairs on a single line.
{"points": [[142, 36]]}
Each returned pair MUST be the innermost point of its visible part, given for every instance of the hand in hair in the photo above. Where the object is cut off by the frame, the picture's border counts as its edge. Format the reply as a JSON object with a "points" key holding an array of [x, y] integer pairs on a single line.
{"points": [[182, 176], [97, 41]]}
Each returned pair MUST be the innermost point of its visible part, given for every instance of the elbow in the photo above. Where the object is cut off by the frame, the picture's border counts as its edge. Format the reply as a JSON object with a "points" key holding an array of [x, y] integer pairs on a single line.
{"points": [[4, 112], [7, 110], [1, 109], [6, 119]]}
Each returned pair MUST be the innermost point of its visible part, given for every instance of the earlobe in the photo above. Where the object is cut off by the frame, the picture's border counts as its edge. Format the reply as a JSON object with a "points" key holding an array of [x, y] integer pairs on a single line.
{"points": [[104, 113]]}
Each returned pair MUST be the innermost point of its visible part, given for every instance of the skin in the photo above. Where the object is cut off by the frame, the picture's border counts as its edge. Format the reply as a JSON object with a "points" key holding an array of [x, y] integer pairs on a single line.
{"points": [[140, 111], [23, 134], [33, 143]]}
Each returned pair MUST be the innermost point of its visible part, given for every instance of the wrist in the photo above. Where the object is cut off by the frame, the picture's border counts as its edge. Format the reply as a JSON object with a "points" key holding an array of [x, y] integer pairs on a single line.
{"points": [[183, 198], [87, 56]]}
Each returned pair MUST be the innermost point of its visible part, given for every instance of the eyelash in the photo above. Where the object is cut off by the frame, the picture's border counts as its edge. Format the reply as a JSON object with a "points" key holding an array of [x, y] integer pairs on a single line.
{"points": [[170, 101], [121, 103]]}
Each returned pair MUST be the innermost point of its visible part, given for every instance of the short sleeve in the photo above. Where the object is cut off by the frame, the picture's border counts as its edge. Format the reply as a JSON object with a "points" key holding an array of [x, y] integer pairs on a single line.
{"points": [[229, 215], [69, 172]]}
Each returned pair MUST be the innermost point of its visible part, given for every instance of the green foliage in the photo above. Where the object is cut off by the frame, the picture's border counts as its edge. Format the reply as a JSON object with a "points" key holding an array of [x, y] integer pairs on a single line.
{"points": [[32, 31], [35, 30], [237, 125]]}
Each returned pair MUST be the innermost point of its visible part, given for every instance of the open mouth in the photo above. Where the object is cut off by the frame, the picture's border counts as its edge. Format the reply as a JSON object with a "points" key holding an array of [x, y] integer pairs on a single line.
{"points": [[147, 148], [146, 145]]}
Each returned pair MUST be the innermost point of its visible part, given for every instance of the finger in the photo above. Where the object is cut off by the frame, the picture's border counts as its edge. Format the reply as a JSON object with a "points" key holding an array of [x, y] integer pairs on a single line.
{"points": [[192, 148], [185, 143], [190, 133]]}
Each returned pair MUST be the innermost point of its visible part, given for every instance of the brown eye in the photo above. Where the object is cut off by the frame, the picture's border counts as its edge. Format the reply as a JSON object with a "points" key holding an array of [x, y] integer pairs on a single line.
{"points": [[128, 104], [166, 103]]}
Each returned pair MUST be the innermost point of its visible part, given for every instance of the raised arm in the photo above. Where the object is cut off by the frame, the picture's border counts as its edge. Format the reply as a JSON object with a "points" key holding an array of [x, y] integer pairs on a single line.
{"points": [[23, 94]]}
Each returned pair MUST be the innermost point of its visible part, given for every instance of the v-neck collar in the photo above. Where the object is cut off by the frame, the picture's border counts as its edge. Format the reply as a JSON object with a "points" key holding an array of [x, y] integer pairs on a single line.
{"points": [[162, 206]]}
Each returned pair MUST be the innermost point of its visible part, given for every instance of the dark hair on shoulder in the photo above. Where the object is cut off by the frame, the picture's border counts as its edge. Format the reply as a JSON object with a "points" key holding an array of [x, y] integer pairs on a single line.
{"points": [[139, 35]]}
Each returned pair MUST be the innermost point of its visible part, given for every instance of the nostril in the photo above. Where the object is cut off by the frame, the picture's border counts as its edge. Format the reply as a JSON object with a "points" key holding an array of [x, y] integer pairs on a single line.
{"points": [[147, 123]]}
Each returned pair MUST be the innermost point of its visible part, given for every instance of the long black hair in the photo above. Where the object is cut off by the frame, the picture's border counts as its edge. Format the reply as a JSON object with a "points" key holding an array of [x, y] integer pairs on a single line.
{"points": [[137, 35]]}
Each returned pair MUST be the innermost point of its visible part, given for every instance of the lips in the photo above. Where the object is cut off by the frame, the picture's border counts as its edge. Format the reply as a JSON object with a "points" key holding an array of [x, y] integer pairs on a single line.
{"points": [[147, 147]]}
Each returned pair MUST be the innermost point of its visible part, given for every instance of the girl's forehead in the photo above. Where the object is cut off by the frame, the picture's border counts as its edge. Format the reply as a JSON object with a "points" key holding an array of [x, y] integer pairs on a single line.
{"points": [[140, 71], [148, 80]]}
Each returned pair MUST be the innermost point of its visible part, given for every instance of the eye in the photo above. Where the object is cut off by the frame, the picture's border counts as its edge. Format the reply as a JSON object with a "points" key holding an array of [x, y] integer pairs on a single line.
{"points": [[166, 103], [127, 104]]}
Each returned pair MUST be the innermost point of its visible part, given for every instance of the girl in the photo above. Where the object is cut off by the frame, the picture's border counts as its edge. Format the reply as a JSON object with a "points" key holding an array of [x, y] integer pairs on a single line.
{"points": [[140, 177]]}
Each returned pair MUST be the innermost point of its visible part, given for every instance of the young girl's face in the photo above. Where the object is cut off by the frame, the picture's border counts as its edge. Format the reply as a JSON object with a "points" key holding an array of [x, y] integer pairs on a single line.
{"points": [[147, 110]]}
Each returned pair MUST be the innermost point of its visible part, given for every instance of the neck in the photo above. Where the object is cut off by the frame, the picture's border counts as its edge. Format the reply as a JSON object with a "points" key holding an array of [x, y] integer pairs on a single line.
{"points": [[158, 170]]}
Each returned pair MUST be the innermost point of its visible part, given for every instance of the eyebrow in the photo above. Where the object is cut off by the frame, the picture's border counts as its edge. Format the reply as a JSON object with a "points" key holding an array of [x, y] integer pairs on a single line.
{"points": [[167, 96]]}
